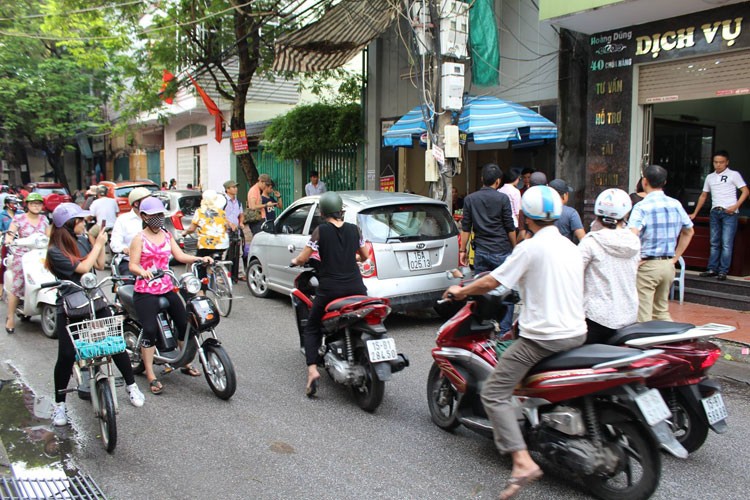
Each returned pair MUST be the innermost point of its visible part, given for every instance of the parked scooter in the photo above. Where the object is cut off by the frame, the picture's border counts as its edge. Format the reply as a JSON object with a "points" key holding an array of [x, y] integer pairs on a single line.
{"points": [[693, 398], [357, 351], [586, 410], [200, 338], [35, 301]]}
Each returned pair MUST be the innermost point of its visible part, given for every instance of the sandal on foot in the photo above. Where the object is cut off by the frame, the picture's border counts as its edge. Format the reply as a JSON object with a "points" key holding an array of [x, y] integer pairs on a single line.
{"points": [[312, 388], [155, 386], [516, 484], [189, 370]]}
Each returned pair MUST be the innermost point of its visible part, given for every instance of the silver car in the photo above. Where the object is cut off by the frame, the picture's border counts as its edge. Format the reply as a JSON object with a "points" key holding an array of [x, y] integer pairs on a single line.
{"points": [[413, 241], [181, 205]]}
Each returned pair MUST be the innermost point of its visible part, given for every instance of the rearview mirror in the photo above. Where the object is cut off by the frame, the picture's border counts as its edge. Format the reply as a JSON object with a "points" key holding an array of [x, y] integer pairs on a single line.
{"points": [[268, 227]]}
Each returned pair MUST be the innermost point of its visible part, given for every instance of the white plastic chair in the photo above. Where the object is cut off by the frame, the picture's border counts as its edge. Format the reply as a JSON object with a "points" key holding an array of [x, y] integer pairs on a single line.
{"points": [[679, 281]]}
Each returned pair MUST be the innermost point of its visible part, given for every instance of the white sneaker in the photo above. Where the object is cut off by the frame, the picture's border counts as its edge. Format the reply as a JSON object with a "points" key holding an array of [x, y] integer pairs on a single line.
{"points": [[136, 396], [59, 418]]}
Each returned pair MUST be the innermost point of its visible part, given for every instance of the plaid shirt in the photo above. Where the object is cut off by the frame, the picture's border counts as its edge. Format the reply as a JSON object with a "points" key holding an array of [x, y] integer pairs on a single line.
{"points": [[659, 219], [233, 210]]}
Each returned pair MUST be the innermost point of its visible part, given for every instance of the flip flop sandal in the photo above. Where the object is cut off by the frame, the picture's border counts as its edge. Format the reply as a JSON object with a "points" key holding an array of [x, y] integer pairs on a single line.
{"points": [[189, 370], [312, 389], [155, 386], [519, 483]]}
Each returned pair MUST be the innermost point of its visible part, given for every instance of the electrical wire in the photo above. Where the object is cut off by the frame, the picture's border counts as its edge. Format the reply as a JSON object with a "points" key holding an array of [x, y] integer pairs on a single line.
{"points": [[77, 11]]}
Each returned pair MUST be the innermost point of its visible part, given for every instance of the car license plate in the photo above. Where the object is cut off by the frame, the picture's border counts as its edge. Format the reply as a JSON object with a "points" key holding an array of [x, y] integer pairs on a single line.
{"points": [[653, 407], [418, 260], [382, 350], [715, 409]]}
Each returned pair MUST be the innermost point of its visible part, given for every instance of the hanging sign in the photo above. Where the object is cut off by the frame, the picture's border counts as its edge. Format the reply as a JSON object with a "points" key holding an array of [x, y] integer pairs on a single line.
{"points": [[388, 183], [239, 142]]}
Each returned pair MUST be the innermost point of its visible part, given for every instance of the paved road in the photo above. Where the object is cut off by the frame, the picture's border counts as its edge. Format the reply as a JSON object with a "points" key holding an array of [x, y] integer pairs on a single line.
{"points": [[270, 441]]}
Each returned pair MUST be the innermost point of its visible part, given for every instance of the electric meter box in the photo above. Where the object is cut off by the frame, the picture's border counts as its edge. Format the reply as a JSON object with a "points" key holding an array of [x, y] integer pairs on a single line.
{"points": [[454, 28], [452, 93], [421, 22]]}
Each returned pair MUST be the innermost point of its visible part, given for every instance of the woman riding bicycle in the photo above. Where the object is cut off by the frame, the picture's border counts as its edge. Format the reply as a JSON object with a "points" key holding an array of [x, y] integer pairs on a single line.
{"points": [[70, 255], [23, 225], [210, 222], [150, 251]]}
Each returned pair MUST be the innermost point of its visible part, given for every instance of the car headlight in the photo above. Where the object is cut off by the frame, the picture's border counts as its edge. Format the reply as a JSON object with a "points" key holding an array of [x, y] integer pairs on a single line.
{"points": [[190, 283]]}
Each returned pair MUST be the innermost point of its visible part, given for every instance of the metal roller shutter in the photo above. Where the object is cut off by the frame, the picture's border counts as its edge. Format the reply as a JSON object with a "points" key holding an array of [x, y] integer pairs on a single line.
{"points": [[703, 77]]}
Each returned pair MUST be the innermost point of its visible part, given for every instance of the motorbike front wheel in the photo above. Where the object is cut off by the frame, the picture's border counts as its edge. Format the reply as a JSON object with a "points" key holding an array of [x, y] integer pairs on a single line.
{"points": [[638, 472], [442, 400], [131, 333], [219, 371], [49, 321], [107, 418], [370, 394], [689, 428]]}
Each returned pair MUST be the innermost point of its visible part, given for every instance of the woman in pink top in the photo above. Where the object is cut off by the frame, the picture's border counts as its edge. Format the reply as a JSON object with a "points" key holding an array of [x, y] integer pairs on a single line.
{"points": [[151, 250]]}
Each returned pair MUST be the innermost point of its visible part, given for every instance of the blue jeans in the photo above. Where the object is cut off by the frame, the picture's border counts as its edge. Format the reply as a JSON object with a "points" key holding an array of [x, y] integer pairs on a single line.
{"points": [[723, 229], [486, 261]]}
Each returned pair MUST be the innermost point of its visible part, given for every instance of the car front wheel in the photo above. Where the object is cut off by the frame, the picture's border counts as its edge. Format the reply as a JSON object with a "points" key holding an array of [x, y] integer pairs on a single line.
{"points": [[257, 281]]}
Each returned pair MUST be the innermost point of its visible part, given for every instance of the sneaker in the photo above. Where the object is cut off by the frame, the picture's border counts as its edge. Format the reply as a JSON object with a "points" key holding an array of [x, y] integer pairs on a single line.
{"points": [[722, 277], [707, 274], [59, 418], [136, 396]]}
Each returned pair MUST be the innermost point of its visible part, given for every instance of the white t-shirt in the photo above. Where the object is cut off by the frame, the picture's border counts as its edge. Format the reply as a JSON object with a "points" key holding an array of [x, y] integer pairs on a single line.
{"points": [[105, 208], [126, 227], [723, 187], [547, 270]]}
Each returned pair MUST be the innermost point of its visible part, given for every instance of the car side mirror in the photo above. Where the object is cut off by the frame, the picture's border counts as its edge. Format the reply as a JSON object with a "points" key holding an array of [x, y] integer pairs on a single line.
{"points": [[268, 227]]}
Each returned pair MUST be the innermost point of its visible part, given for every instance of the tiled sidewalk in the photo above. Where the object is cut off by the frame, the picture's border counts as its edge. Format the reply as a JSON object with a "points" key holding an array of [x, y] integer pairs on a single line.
{"points": [[699, 314]]}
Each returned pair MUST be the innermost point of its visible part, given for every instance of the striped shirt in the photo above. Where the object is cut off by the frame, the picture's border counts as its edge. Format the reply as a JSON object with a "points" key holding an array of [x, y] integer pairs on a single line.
{"points": [[660, 219]]}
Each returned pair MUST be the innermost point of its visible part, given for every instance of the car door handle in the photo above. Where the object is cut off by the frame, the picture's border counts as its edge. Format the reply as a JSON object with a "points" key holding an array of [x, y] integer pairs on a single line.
{"points": [[291, 248]]}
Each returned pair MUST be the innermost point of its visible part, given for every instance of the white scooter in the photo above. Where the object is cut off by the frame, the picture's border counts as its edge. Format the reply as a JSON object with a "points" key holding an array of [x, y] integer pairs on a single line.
{"points": [[35, 301]]}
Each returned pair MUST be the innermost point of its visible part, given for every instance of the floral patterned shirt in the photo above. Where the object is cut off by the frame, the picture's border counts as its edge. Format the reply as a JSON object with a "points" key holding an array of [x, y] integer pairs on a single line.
{"points": [[212, 229]]}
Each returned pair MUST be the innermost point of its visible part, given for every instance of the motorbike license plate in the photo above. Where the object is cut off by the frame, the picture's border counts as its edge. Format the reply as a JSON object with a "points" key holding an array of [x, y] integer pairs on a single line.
{"points": [[382, 350], [715, 409], [653, 407], [418, 260]]}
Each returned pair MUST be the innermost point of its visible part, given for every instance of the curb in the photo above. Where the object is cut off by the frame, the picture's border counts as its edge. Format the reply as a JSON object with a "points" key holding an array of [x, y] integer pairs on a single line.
{"points": [[733, 350]]}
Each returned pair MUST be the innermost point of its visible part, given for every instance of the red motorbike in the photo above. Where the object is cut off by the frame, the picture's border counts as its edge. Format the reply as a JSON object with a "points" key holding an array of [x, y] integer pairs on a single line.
{"points": [[357, 351], [587, 411], [693, 398]]}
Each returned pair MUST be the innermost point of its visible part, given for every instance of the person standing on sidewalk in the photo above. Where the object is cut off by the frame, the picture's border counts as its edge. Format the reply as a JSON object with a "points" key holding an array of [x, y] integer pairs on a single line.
{"points": [[723, 184], [569, 223], [489, 215], [315, 186], [235, 221], [658, 221]]}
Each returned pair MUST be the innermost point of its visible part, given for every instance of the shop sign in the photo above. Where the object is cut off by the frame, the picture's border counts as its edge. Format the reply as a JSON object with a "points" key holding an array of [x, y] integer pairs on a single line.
{"points": [[239, 142], [388, 183], [724, 33]]}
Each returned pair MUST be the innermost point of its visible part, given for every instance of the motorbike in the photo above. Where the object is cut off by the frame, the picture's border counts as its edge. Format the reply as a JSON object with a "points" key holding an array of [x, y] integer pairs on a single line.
{"points": [[693, 398], [585, 411], [36, 301], [357, 351], [200, 338]]}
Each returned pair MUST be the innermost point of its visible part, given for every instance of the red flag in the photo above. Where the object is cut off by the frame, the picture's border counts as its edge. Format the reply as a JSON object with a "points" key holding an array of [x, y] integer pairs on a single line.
{"points": [[212, 108], [167, 78]]}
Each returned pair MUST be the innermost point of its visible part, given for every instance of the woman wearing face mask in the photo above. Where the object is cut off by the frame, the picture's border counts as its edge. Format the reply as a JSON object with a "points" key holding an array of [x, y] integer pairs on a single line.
{"points": [[151, 250], [70, 255], [23, 225]]}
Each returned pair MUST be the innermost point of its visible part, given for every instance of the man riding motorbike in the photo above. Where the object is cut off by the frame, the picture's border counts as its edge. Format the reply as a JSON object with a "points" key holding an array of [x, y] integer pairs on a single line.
{"points": [[127, 226], [548, 271]]}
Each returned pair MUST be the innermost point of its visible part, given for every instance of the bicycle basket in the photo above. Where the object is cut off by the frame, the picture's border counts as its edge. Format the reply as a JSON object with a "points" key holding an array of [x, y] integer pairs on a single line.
{"points": [[99, 337]]}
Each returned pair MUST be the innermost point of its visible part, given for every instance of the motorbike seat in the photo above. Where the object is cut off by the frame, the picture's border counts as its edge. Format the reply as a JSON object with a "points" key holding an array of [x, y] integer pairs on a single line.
{"points": [[585, 356], [352, 300], [126, 293], [647, 329]]}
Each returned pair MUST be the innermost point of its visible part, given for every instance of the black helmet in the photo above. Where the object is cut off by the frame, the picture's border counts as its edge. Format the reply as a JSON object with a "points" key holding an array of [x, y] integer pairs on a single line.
{"points": [[330, 204]]}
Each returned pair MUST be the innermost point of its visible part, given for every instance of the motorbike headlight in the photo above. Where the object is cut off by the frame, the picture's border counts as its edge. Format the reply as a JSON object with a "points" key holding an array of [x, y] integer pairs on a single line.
{"points": [[88, 281], [190, 283]]}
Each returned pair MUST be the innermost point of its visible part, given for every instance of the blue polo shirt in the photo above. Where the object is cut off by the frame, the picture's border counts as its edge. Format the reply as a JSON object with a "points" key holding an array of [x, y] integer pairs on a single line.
{"points": [[660, 219]]}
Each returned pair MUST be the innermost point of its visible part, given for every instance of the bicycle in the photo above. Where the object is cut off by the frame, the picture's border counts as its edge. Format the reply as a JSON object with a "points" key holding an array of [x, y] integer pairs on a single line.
{"points": [[219, 283], [95, 341]]}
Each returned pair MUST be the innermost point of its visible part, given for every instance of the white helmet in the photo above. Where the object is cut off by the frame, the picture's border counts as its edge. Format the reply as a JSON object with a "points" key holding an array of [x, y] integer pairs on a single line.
{"points": [[613, 204], [541, 203]]}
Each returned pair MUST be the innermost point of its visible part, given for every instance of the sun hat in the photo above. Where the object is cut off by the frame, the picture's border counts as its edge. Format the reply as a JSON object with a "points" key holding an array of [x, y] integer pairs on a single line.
{"points": [[66, 211]]}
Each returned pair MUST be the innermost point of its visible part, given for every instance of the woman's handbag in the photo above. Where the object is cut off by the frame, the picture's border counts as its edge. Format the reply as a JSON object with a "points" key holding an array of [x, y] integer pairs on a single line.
{"points": [[76, 304], [251, 216]]}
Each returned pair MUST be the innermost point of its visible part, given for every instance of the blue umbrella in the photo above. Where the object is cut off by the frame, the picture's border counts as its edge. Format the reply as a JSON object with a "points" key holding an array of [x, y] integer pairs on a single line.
{"points": [[488, 119], [411, 124]]}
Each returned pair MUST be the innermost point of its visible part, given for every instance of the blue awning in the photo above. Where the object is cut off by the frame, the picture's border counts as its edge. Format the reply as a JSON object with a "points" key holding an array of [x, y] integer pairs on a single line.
{"points": [[407, 127], [488, 119]]}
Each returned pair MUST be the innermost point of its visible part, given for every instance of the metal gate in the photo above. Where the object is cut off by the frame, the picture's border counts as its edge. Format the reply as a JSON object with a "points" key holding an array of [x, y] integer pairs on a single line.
{"points": [[122, 168], [281, 171], [337, 168], [153, 166]]}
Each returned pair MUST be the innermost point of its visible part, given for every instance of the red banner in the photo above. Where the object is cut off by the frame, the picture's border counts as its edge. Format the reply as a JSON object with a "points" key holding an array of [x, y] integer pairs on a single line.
{"points": [[239, 142]]}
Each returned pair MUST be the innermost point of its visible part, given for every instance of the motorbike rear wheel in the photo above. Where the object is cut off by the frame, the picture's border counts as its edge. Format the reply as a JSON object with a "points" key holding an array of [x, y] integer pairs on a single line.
{"points": [[107, 418], [689, 428], [442, 400], [222, 378], [637, 476], [370, 394], [49, 321], [131, 333]]}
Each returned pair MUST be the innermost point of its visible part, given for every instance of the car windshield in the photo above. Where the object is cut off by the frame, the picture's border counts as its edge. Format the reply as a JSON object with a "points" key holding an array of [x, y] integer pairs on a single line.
{"points": [[124, 191], [413, 222], [188, 204], [47, 191]]}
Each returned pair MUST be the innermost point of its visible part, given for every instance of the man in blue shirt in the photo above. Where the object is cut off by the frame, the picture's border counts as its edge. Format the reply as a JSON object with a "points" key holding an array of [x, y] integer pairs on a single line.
{"points": [[569, 223], [658, 221]]}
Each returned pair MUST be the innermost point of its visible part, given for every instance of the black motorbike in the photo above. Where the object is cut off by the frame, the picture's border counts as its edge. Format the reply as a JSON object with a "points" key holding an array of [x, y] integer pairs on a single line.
{"points": [[200, 338]]}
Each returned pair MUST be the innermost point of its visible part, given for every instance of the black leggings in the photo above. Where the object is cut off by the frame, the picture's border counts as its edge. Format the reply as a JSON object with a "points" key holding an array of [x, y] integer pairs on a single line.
{"points": [[66, 357], [148, 309], [206, 252], [312, 335], [598, 333]]}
